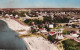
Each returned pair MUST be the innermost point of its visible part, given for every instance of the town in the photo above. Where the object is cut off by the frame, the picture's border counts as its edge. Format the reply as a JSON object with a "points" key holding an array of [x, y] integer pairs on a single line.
{"points": [[59, 26]]}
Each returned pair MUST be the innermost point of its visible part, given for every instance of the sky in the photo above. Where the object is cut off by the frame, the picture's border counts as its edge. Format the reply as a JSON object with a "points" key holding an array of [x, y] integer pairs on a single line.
{"points": [[39, 3]]}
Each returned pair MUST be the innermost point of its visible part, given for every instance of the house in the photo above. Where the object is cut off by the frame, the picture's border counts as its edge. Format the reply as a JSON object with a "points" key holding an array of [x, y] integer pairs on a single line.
{"points": [[61, 30], [11, 15], [16, 16], [59, 36], [51, 26], [74, 34], [27, 17], [78, 31], [61, 24], [6, 15], [43, 30], [52, 32]]}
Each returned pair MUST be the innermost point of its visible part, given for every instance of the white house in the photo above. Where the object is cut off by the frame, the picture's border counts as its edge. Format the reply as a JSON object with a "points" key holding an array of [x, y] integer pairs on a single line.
{"points": [[59, 36], [7, 15], [16, 16], [51, 26], [11, 15]]}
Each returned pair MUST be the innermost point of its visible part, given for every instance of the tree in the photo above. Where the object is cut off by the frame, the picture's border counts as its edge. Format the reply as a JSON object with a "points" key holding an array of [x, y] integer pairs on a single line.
{"points": [[73, 25], [33, 30], [66, 32], [37, 21], [60, 20], [70, 44], [0, 12], [22, 14], [28, 21], [49, 19], [52, 38]]}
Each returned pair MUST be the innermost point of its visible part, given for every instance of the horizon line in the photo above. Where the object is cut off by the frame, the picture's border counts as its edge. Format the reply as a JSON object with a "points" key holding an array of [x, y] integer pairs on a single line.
{"points": [[23, 8]]}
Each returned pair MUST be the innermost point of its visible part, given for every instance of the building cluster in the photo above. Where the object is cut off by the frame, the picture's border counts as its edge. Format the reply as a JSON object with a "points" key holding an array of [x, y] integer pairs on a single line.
{"points": [[40, 14]]}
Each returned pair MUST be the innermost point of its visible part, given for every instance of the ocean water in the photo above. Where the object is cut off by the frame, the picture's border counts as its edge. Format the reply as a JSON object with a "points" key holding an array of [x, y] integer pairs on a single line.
{"points": [[9, 39]]}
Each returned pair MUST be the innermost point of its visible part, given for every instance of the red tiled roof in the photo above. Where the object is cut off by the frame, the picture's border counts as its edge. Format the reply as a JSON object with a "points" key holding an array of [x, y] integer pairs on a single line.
{"points": [[52, 32]]}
